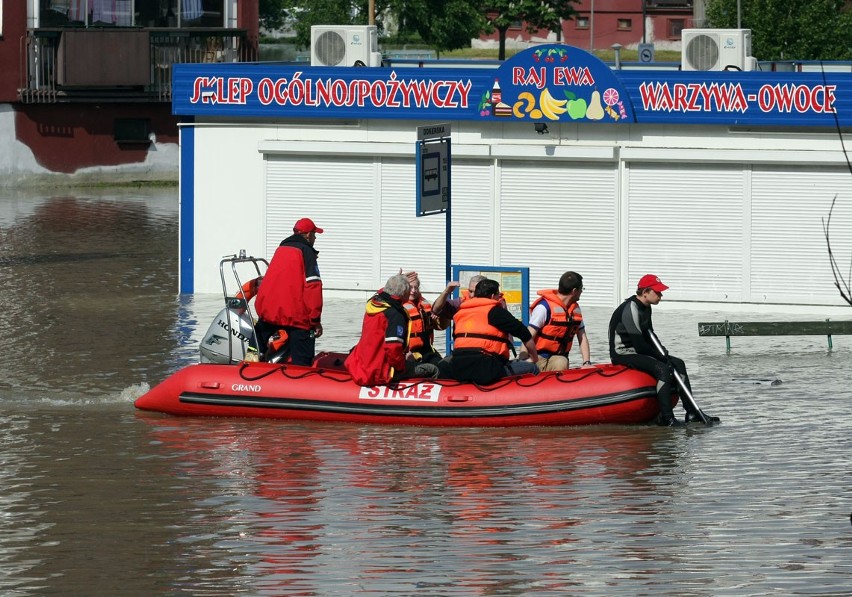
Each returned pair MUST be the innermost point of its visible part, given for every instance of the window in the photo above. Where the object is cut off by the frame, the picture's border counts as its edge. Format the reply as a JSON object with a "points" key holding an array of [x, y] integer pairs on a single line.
{"points": [[132, 13], [625, 24], [674, 28], [581, 23]]}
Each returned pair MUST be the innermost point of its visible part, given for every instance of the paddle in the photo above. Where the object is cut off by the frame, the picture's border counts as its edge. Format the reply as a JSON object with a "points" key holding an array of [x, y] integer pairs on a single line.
{"points": [[687, 394]]}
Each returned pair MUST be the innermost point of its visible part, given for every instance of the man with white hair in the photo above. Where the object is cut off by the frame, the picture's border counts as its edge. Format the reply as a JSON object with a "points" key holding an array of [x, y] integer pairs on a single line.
{"points": [[447, 307], [379, 356]]}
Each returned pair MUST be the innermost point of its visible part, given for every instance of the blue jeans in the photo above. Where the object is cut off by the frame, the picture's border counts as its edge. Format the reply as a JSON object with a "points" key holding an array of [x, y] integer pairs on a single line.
{"points": [[521, 368]]}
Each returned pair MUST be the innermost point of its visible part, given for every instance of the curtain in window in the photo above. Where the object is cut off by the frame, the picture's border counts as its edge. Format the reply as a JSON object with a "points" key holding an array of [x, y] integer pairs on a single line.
{"points": [[192, 9]]}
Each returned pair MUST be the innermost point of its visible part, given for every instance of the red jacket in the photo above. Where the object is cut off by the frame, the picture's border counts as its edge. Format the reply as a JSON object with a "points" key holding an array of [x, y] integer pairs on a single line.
{"points": [[291, 293], [380, 353]]}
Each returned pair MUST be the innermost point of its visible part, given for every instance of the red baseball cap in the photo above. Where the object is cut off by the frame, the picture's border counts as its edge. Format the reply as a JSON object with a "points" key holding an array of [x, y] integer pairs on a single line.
{"points": [[306, 225], [651, 281]]}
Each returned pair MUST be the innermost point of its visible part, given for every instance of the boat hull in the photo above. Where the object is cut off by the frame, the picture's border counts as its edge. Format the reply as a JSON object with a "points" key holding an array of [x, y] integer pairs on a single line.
{"points": [[606, 394]]}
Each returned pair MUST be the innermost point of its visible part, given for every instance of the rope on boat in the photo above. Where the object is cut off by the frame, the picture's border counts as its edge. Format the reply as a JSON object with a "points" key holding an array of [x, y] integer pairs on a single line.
{"points": [[524, 381]]}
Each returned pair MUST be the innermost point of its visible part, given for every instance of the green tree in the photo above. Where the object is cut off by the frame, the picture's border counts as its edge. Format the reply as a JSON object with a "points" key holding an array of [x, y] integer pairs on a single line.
{"points": [[272, 13], [302, 14], [536, 14], [443, 24], [789, 29]]}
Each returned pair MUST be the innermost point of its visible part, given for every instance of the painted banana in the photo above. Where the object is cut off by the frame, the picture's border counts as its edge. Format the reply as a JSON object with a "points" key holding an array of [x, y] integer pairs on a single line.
{"points": [[550, 106]]}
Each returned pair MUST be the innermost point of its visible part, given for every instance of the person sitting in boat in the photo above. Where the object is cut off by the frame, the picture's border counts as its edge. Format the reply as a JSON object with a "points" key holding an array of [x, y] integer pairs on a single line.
{"points": [[424, 322], [633, 343], [290, 297], [555, 319], [446, 306], [379, 356], [482, 339]]}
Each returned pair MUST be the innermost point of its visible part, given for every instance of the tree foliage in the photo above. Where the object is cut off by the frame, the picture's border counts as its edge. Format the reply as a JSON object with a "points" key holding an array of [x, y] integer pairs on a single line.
{"points": [[537, 14], [302, 14], [272, 13], [443, 24], [789, 29]]}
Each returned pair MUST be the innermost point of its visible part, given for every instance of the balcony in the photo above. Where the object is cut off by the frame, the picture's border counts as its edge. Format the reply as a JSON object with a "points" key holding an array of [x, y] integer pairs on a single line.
{"points": [[118, 65]]}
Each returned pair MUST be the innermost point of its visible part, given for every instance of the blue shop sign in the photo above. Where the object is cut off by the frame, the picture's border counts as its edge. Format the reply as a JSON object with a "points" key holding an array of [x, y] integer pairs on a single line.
{"points": [[549, 83]]}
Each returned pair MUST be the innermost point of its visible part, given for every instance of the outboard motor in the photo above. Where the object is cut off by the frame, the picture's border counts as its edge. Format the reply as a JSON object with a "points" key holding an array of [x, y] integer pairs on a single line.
{"points": [[230, 336]]}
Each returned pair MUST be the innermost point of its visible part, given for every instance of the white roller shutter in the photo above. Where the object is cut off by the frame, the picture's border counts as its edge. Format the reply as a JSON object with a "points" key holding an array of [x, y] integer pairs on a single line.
{"points": [[561, 216], [367, 207], [687, 223], [473, 212], [340, 196], [789, 258], [409, 242]]}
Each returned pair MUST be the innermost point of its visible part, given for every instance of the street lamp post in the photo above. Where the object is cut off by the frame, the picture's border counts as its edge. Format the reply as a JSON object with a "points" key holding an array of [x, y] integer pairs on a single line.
{"points": [[592, 27]]}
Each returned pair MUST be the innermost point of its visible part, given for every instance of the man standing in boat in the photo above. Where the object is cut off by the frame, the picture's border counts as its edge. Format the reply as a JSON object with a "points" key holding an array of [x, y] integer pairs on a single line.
{"points": [[555, 319], [290, 297], [632, 342]]}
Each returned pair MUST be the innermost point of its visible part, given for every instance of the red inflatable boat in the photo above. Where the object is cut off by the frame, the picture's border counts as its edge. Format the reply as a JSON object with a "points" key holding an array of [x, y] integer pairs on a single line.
{"points": [[324, 392]]}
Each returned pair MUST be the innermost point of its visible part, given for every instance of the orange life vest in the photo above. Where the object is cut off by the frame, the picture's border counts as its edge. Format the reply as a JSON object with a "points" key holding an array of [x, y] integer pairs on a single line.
{"points": [[420, 334], [472, 329], [249, 289], [557, 335]]}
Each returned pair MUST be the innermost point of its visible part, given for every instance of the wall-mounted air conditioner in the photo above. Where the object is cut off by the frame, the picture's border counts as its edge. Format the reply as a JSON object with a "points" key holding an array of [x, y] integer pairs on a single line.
{"points": [[345, 45], [717, 49]]}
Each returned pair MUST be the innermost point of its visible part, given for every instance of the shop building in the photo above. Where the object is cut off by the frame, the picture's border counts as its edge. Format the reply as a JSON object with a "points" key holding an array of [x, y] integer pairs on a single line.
{"points": [[718, 182]]}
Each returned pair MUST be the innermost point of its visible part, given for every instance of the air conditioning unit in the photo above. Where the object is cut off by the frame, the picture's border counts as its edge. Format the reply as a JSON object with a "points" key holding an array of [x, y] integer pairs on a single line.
{"points": [[345, 45], [717, 49]]}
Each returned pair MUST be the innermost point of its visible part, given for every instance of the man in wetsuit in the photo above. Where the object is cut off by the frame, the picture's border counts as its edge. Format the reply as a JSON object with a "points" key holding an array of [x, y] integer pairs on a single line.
{"points": [[632, 342]]}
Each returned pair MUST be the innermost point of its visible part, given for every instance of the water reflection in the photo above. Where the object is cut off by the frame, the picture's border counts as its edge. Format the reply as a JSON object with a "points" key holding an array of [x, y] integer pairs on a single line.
{"points": [[310, 507]]}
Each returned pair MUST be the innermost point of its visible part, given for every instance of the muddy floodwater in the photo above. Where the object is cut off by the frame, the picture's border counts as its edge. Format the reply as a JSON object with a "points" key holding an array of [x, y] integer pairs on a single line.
{"points": [[97, 498]]}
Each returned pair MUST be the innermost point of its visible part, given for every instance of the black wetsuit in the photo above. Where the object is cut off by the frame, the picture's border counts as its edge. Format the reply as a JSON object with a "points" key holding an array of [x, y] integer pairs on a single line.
{"points": [[630, 329]]}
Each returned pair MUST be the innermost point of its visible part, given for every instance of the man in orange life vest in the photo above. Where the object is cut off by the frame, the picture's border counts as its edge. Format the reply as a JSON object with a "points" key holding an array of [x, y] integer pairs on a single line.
{"points": [[290, 297], [424, 322], [482, 339], [555, 318], [379, 356]]}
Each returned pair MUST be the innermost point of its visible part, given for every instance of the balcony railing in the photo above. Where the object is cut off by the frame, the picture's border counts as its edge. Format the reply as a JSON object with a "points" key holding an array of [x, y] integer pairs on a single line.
{"points": [[85, 65]]}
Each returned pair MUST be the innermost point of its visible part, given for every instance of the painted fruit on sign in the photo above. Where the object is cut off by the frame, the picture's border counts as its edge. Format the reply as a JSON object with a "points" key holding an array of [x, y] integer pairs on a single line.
{"points": [[577, 108], [595, 111]]}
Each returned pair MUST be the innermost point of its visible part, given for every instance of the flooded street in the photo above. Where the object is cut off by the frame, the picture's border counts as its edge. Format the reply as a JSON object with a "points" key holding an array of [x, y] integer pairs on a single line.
{"points": [[97, 498]]}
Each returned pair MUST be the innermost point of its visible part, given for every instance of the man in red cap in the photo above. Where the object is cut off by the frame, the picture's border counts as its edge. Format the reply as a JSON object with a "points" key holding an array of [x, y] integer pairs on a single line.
{"points": [[290, 297], [632, 342]]}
